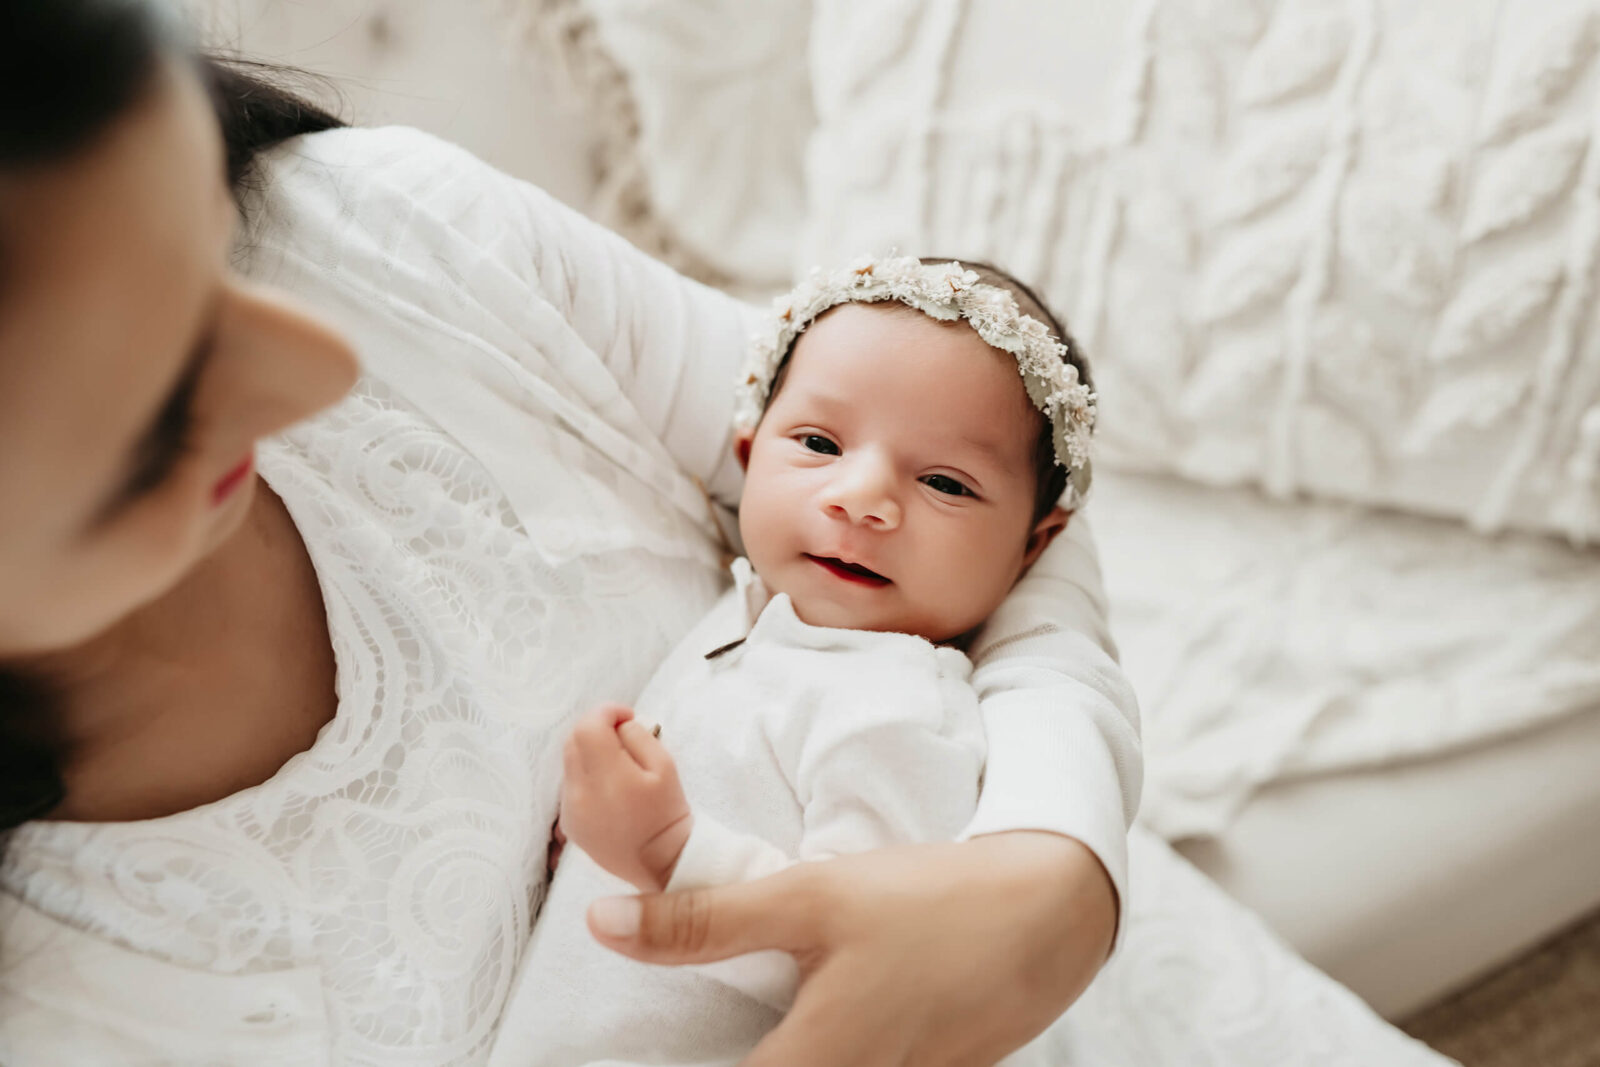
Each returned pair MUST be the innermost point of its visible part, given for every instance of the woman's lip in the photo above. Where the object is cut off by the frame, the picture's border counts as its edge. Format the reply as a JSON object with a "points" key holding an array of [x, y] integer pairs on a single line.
{"points": [[232, 480], [837, 568]]}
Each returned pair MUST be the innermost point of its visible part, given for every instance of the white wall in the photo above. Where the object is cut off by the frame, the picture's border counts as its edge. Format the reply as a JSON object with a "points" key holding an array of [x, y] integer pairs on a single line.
{"points": [[446, 66]]}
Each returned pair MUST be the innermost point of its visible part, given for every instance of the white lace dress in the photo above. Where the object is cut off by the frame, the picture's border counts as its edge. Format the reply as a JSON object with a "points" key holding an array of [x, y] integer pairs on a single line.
{"points": [[505, 526]]}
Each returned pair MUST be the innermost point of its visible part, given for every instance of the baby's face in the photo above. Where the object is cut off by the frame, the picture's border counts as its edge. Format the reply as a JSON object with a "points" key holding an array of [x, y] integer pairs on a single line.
{"points": [[890, 483]]}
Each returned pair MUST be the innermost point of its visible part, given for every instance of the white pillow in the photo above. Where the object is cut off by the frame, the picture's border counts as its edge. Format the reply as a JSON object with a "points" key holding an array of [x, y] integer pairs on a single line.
{"points": [[705, 107], [1344, 249]]}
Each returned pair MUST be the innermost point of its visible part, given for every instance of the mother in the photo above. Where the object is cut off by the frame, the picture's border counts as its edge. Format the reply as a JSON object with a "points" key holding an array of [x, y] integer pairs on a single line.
{"points": [[282, 695]]}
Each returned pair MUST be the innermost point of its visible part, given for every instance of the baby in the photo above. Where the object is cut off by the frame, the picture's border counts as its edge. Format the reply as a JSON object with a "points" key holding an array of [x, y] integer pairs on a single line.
{"points": [[910, 433]]}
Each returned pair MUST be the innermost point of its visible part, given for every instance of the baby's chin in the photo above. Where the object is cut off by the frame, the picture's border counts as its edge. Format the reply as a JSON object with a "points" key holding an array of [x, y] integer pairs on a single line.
{"points": [[820, 611]]}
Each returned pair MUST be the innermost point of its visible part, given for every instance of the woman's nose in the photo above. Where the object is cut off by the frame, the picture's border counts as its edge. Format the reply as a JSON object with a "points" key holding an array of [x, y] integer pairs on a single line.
{"points": [[286, 359], [862, 492]]}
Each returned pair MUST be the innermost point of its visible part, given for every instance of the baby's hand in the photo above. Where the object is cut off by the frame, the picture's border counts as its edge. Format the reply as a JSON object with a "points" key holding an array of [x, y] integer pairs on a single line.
{"points": [[621, 801]]}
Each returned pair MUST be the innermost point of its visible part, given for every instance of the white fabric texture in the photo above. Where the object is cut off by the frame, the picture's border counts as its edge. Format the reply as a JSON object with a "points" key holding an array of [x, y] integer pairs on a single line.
{"points": [[703, 109], [1201, 981], [506, 529], [1271, 641], [1338, 247], [799, 743]]}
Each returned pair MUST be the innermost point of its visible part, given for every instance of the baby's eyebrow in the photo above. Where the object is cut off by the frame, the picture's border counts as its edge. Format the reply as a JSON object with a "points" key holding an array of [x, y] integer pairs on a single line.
{"points": [[991, 450], [825, 400]]}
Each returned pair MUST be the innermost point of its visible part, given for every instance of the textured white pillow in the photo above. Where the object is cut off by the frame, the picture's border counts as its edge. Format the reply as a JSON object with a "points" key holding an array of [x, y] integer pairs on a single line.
{"points": [[705, 107], [1344, 247]]}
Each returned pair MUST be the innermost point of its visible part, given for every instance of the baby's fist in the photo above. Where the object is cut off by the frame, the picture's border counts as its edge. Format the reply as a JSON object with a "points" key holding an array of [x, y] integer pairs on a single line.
{"points": [[621, 801]]}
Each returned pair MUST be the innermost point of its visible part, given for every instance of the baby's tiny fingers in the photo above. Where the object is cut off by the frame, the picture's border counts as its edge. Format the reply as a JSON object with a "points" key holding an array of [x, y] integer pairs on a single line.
{"points": [[643, 744], [596, 733]]}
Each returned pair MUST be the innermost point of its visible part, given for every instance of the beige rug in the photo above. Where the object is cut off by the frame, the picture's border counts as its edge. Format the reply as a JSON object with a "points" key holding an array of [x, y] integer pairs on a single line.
{"points": [[1542, 1010]]}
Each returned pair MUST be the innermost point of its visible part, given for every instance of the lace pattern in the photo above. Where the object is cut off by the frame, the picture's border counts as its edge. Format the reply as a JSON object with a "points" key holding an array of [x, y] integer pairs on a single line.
{"points": [[403, 854]]}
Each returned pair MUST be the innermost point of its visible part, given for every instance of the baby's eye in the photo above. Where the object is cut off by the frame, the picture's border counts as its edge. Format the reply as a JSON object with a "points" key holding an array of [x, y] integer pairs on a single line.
{"points": [[818, 443], [943, 483]]}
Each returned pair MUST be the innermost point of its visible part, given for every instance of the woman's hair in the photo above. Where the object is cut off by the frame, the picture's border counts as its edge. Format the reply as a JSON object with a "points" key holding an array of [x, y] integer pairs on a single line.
{"points": [[69, 69]]}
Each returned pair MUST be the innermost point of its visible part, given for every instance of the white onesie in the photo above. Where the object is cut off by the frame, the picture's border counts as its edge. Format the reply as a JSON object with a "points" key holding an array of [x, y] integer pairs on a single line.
{"points": [[793, 742]]}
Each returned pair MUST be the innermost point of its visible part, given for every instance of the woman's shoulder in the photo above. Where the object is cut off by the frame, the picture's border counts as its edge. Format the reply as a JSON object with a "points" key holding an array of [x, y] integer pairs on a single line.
{"points": [[342, 188], [373, 158]]}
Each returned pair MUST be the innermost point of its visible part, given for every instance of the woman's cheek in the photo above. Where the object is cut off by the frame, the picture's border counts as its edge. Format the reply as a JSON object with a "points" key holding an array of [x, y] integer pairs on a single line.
{"points": [[167, 531]]}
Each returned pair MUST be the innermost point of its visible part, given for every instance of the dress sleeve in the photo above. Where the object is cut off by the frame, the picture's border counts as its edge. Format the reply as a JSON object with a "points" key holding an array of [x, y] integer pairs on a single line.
{"points": [[673, 345], [428, 232], [1062, 721]]}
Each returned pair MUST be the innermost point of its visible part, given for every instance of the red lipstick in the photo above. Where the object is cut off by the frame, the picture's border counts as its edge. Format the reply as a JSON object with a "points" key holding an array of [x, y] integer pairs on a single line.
{"points": [[232, 480]]}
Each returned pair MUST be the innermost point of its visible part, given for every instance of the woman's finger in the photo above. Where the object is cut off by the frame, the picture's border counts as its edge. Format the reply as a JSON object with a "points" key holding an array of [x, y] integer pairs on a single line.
{"points": [[702, 925]]}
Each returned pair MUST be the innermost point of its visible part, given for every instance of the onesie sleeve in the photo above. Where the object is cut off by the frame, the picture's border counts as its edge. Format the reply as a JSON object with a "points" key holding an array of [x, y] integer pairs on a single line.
{"points": [[716, 855], [1062, 721]]}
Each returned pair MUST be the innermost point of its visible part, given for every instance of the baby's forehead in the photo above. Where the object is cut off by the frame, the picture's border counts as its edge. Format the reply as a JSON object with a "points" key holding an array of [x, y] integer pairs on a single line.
{"points": [[893, 334], [857, 317], [864, 321]]}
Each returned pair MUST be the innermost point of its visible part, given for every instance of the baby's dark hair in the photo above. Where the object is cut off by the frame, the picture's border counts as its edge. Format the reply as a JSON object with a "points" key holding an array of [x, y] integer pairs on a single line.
{"points": [[1050, 478]]}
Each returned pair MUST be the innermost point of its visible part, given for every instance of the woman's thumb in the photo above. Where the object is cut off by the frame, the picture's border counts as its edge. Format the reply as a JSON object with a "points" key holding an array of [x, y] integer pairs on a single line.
{"points": [[702, 925]]}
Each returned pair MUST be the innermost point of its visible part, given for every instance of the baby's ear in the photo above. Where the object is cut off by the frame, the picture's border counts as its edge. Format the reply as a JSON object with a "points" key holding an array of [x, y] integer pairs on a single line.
{"points": [[1044, 531], [742, 440]]}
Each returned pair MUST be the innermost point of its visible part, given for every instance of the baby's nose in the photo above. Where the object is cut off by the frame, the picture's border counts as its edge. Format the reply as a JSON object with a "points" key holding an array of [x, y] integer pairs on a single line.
{"points": [[863, 494]]}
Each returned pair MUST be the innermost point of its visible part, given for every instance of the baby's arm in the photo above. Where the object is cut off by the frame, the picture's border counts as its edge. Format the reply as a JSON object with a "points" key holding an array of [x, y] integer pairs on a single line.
{"points": [[623, 804], [895, 759], [621, 801]]}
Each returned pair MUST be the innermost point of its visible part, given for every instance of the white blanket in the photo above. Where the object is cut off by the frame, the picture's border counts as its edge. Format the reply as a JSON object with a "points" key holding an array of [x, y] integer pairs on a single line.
{"points": [[1201, 981], [1269, 640]]}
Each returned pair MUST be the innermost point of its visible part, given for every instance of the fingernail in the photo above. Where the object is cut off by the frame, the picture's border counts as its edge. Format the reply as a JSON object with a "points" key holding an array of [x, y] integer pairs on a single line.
{"points": [[616, 916]]}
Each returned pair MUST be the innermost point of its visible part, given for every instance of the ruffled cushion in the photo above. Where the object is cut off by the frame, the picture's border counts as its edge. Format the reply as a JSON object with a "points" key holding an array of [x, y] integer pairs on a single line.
{"points": [[704, 107], [1317, 247]]}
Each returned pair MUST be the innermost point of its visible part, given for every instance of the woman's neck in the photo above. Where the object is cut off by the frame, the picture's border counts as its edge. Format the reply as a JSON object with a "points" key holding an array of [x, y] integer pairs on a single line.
{"points": [[207, 690]]}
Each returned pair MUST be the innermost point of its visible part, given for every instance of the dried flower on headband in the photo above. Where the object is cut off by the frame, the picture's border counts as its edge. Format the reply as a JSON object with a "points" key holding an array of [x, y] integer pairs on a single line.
{"points": [[945, 291]]}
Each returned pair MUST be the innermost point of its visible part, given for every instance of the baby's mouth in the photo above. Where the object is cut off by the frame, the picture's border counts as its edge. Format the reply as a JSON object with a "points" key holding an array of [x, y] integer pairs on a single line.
{"points": [[850, 572]]}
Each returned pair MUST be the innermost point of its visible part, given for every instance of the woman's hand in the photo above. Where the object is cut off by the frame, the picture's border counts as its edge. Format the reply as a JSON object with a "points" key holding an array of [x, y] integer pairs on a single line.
{"points": [[944, 955]]}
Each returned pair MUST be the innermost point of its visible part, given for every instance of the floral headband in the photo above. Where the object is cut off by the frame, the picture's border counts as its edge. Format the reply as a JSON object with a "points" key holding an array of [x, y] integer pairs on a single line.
{"points": [[946, 292]]}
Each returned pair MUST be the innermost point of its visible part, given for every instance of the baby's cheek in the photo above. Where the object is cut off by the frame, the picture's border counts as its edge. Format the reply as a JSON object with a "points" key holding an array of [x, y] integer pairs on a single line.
{"points": [[975, 590], [767, 519]]}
